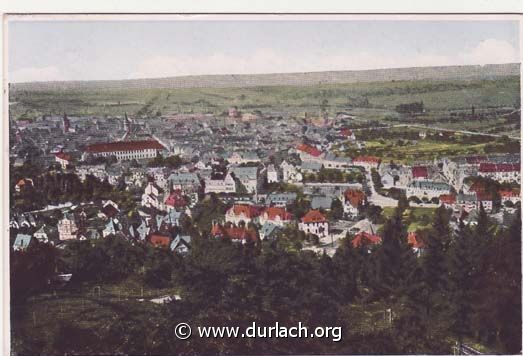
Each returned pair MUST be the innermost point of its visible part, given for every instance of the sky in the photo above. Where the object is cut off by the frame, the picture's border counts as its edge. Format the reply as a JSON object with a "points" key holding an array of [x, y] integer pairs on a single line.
{"points": [[105, 50]]}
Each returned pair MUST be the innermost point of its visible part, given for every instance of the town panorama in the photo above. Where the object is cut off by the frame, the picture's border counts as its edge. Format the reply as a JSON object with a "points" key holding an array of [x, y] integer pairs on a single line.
{"points": [[388, 207]]}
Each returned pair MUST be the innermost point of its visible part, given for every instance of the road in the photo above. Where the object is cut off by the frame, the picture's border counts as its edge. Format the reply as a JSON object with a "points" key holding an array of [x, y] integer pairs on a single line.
{"points": [[375, 198]]}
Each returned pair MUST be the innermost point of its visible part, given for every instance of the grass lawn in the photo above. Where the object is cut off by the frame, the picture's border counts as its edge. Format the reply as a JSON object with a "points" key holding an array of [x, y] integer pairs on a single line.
{"points": [[416, 218]]}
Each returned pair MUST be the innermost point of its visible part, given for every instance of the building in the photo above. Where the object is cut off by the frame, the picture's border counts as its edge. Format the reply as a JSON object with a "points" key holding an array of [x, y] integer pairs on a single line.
{"points": [[272, 174], [290, 173], [510, 195], [280, 199], [502, 172], [154, 197], [244, 157], [365, 240], [314, 222], [63, 159], [367, 162], [181, 244], [427, 189], [22, 242], [420, 173], [67, 228], [352, 201], [125, 150], [235, 233], [275, 215], [308, 152], [220, 185], [248, 177], [416, 242], [242, 212]]}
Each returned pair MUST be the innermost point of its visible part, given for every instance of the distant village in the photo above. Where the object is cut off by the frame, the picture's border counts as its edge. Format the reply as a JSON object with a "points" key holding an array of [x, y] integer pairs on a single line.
{"points": [[272, 175]]}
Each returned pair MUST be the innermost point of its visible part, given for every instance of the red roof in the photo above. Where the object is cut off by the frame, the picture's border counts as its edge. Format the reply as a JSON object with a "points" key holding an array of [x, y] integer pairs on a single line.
{"points": [[415, 240], [502, 167], [354, 196], [313, 216], [160, 240], [273, 212], [309, 149], [248, 211], [447, 198], [63, 155], [420, 172], [365, 239], [505, 193], [233, 232], [367, 159], [123, 146], [176, 199]]}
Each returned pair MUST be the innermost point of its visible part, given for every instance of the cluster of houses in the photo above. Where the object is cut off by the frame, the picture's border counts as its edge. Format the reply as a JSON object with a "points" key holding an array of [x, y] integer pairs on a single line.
{"points": [[248, 165]]}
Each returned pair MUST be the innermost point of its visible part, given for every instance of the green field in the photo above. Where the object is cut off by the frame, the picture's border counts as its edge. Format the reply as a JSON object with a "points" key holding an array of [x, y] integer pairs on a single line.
{"points": [[375, 100]]}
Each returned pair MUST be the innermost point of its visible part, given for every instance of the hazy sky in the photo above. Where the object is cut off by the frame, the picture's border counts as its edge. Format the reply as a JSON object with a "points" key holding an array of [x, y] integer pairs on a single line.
{"points": [[81, 50]]}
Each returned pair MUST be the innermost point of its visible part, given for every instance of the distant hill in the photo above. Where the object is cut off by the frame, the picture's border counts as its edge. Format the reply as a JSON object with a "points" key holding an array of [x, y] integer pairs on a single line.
{"points": [[490, 71]]}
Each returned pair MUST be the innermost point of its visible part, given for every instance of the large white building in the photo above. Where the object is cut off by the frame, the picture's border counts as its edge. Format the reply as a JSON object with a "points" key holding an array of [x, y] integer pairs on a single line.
{"points": [[427, 189], [67, 228], [502, 172], [314, 222], [125, 150]]}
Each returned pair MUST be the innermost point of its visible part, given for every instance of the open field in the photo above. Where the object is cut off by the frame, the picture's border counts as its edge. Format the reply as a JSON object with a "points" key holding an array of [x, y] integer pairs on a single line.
{"points": [[370, 100]]}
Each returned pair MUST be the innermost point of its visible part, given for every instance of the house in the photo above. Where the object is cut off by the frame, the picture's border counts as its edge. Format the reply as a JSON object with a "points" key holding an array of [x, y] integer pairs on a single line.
{"points": [[176, 200], [143, 230], [367, 162], [330, 160], [23, 184], [242, 212], [502, 172], [153, 197], [159, 240], [181, 244], [352, 201], [275, 215], [109, 210], [308, 152], [486, 199], [510, 195], [272, 174], [416, 242], [248, 177], [42, 234], [67, 228], [270, 231], [235, 233], [387, 180], [420, 173], [217, 184], [365, 240], [467, 202], [290, 173], [63, 159], [280, 199], [185, 181], [97, 171], [447, 200], [427, 189], [22, 242], [112, 227], [314, 222]]}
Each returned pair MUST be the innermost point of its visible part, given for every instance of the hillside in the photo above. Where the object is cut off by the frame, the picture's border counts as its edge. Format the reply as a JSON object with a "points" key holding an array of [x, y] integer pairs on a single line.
{"points": [[293, 79]]}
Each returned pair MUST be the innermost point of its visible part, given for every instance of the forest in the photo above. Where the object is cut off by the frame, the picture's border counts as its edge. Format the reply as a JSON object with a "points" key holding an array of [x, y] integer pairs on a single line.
{"points": [[465, 287]]}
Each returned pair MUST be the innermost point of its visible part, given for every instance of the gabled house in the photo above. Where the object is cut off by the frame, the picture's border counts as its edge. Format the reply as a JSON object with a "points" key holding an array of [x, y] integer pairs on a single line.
{"points": [[235, 233], [290, 173], [269, 231], [176, 200], [242, 212], [275, 215], [365, 240], [314, 222], [181, 244], [353, 199], [160, 240], [153, 197], [416, 242], [280, 199]]}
